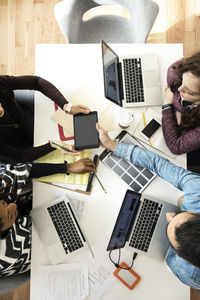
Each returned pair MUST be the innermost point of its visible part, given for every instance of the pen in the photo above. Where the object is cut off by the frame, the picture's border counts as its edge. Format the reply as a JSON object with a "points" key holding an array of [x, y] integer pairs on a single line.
{"points": [[99, 182], [62, 147]]}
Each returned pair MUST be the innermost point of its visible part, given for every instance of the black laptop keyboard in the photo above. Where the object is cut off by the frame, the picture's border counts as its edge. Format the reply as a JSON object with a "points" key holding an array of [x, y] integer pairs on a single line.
{"points": [[145, 225], [133, 80], [64, 225]]}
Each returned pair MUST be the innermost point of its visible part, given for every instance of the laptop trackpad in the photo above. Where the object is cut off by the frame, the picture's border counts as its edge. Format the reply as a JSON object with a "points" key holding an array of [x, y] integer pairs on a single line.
{"points": [[47, 235], [151, 78], [160, 233]]}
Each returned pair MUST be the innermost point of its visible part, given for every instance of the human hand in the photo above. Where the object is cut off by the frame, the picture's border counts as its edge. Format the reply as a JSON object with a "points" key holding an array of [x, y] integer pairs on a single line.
{"points": [[179, 201], [168, 96], [79, 109], [81, 166], [105, 140], [64, 148]]}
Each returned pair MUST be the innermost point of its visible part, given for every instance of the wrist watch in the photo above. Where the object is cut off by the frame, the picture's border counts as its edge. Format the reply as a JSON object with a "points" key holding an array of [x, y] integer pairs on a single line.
{"points": [[68, 108]]}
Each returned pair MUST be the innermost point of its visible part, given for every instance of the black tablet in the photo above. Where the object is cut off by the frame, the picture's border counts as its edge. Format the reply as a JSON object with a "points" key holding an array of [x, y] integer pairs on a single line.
{"points": [[86, 135]]}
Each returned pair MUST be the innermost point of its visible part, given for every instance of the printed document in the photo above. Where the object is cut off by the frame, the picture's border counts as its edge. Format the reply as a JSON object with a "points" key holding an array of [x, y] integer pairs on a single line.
{"points": [[64, 281]]}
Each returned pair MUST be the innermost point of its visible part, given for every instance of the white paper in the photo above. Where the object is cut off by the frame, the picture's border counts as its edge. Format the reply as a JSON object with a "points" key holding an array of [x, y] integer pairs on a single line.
{"points": [[79, 208], [64, 281], [101, 278]]}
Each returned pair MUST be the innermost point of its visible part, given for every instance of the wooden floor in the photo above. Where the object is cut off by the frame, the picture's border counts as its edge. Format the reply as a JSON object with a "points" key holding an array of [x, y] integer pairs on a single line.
{"points": [[23, 23]]}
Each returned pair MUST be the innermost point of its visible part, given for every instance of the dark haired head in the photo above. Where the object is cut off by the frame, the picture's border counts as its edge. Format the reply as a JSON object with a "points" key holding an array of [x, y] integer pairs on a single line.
{"points": [[189, 64], [188, 239], [191, 119]]}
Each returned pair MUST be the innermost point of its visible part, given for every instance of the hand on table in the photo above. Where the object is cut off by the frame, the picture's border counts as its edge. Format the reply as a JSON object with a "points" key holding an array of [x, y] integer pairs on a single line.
{"points": [[84, 165]]}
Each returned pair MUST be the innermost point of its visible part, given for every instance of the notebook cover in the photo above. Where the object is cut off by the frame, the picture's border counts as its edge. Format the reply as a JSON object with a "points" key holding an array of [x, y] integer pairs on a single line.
{"points": [[61, 131]]}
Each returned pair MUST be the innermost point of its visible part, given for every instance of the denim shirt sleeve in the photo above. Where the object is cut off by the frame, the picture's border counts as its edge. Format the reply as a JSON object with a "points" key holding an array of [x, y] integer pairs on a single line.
{"points": [[187, 273], [182, 179]]}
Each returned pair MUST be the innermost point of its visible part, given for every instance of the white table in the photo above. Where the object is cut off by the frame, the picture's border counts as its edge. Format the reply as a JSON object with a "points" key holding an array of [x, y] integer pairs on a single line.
{"points": [[68, 67]]}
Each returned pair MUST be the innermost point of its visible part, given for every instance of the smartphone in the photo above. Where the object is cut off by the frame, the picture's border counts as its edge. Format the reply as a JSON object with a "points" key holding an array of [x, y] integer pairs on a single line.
{"points": [[150, 129], [86, 135]]}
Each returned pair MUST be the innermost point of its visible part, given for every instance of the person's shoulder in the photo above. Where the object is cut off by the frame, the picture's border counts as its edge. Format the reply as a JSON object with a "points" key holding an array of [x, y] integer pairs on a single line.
{"points": [[4, 81], [173, 79]]}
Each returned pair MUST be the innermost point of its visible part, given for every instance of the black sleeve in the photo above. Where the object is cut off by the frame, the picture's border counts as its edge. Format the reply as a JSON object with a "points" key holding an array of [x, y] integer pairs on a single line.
{"points": [[33, 83], [40, 170], [24, 155]]}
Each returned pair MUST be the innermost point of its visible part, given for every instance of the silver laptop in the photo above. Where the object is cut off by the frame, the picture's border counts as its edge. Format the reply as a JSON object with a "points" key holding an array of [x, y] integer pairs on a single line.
{"points": [[59, 230], [131, 81], [141, 226]]}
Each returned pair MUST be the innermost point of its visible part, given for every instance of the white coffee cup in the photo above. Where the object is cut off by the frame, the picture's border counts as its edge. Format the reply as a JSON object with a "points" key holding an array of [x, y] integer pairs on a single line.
{"points": [[125, 118]]}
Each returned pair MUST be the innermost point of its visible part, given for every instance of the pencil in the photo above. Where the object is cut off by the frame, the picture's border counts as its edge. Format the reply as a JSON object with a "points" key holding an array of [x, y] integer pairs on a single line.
{"points": [[99, 182], [62, 147], [144, 121]]}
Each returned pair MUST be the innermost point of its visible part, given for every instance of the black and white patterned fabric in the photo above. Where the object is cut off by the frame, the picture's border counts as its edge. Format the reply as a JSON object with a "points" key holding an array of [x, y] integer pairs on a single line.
{"points": [[15, 243], [12, 180]]}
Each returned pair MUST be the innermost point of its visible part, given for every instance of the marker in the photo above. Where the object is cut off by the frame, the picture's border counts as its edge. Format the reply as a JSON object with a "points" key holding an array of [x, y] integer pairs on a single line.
{"points": [[62, 147], [99, 182]]}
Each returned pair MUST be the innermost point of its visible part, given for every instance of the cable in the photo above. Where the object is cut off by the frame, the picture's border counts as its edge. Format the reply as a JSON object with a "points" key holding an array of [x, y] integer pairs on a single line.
{"points": [[117, 265]]}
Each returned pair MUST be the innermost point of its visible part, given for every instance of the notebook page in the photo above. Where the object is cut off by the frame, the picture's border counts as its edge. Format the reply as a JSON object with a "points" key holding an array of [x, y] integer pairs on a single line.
{"points": [[58, 157]]}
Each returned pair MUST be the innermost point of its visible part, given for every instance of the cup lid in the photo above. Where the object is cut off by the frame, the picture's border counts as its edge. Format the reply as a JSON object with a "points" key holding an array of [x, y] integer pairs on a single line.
{"points": [[126, 117]]}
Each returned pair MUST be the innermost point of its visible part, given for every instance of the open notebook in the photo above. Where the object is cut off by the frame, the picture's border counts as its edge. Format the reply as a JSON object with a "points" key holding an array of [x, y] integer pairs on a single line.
{"points": [[75, 182]]}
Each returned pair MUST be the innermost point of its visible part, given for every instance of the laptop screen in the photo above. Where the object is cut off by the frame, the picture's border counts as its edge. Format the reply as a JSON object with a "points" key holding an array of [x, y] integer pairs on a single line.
{"points": [[125, 219], [110, 72]]}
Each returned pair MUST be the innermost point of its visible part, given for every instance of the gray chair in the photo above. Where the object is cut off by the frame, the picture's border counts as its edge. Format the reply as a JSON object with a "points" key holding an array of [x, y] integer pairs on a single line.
{"points": [[131, 27], [10, 283], [25, 99]]}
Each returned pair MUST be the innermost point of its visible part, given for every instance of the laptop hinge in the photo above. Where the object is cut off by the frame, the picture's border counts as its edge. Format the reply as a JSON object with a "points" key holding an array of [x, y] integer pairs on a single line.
{"points": [[120, 81]]}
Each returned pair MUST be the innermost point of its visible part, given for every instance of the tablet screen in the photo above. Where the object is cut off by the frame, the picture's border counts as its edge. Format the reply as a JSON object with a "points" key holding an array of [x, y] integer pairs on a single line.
{"points": [[85, 133]]}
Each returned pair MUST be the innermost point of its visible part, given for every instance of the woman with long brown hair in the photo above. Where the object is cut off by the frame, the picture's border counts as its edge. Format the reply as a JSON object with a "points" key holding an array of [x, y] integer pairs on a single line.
{"points": [[181, 108]]}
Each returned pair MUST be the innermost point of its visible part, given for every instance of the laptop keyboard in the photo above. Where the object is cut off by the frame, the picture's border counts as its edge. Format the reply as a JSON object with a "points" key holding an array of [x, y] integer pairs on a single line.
{"points": [[145, 225], [133, 80], [65, 227]]}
